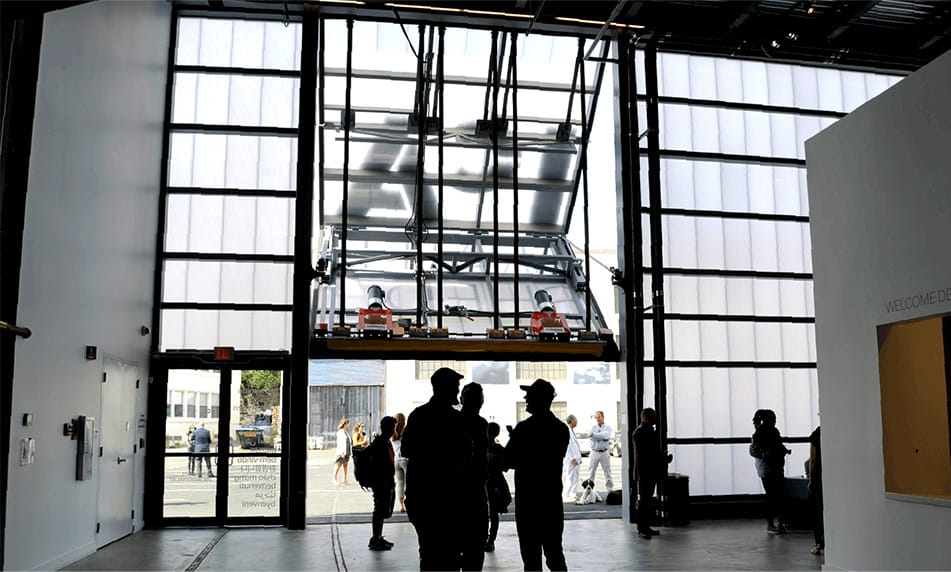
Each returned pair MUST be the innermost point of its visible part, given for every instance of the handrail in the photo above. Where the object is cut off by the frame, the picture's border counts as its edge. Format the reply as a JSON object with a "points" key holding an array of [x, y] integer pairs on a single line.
{"points": [[16, 330]]}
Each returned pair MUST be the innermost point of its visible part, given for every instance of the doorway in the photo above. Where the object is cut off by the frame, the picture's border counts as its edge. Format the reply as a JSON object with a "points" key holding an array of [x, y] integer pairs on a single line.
{"points": [[118, 445], [223, 460]]}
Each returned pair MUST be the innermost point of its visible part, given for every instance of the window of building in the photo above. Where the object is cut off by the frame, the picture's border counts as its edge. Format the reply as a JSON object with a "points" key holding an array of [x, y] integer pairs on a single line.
{"points": [[425, 368], [530, 371], [559, 408]]}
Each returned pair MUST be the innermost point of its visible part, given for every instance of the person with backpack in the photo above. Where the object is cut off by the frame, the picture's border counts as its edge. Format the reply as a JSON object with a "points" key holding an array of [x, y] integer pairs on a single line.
{"points": [[770, 454], [374, 469]]}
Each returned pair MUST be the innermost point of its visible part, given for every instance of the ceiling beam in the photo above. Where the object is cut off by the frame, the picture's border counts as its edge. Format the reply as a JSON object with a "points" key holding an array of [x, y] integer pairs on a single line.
{"points": [[850, 14]]}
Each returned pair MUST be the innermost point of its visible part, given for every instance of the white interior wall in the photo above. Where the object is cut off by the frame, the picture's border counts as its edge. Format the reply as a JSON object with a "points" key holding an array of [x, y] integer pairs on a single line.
{"points": [[88, 257], [879, 183]]}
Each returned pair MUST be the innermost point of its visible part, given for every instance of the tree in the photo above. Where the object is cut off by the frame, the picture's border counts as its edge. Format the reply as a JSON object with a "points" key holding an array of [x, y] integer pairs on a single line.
{"points": [[260, 392]]}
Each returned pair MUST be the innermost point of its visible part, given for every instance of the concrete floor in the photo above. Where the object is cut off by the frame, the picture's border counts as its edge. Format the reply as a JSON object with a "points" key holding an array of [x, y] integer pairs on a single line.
{"points": [[590, 544]]}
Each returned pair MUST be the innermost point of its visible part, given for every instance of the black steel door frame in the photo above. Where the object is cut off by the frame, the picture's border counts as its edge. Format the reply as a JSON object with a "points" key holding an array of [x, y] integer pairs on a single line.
{"points": [[161, 365]]}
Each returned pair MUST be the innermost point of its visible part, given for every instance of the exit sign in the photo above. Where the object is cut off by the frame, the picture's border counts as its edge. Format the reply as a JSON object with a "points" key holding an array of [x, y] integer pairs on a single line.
{"points": [[224, 353]]}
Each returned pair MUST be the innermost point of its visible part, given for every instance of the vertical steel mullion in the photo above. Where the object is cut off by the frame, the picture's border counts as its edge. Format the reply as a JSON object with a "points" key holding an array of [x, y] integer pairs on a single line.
{"points": [[155, 464], [584, 189], [420, 175], [494, 131], [630, 256], [346, 176], [163, 187], [222, 456], [513, 65], [321, 86], [656, 237], [440, 84], [294, 454], [574, 82]]}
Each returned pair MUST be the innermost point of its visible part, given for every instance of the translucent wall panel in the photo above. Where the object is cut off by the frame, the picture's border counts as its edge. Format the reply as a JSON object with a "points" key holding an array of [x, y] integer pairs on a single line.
{"points": [[739, 132], [739, 341], [238, 225], [720, 402], [229, 282], [204, 329], [233, 161], [728, 469], [217, 99], [238, 43], [765, 83], [738, 296], [736, 244]]}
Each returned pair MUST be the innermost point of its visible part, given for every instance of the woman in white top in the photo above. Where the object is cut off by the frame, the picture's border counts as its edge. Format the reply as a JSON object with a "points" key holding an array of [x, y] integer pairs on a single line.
{"points": [[399, 460], [344, 448]]}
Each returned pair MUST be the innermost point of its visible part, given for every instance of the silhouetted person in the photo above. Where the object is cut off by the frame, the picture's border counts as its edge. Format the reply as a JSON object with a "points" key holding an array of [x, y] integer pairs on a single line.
{"points": [[496, 486], [383, 468], [474, 502], [536, 449], [770, 453], [650, 465], [202, 438], [815, 491], [436, 448]]}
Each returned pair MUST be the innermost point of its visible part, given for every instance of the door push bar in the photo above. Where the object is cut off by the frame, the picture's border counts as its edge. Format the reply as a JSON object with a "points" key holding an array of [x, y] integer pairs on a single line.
{"points": [[16, 330]]}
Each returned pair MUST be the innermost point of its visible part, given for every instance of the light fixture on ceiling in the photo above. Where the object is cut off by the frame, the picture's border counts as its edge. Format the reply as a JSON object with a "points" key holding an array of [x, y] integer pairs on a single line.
{"points": [[774, 44], [598, 22], [360, 2]]}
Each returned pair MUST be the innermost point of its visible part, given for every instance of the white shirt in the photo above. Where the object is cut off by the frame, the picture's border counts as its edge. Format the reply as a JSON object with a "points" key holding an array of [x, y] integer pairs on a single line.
{"points": [[343, 442]]}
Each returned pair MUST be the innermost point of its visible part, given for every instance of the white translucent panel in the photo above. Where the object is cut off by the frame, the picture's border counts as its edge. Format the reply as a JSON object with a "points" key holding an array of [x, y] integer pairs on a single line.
{"points": [[780, 78], [747, 341], [763, 242], [734, 182], [237, 161], [242, 225], [708, 195], [382, 46], [805, 87], [704, 127], [703, 78], [729, 79], [710, 246], [676, 78], [675, 127], [205, 329], [720, 402], [766, 301], [720, 295], [793, 297], [736, 235], [238, 43], [875, 84], [755, 82], [681, 238], [830, 89], [677, 186], [727, 469], [739, 296], [854, 92]]}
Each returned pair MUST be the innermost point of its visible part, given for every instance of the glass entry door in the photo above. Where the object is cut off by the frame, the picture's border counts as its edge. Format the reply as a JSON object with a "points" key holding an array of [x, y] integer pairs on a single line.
{"points": [[223, 461]]}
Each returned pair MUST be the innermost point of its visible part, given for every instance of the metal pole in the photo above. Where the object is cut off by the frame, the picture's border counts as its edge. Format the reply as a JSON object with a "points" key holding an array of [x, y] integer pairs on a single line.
{"points": [[346, 177], [321, 84], [440, 83], [656, 237], [494, 131], [295, 452], [584, 188], [513, 63]]}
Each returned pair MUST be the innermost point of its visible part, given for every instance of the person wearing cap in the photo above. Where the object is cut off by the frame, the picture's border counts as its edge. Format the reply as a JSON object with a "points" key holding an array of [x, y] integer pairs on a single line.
{"points": [[536, 449], [436, 447], [475, 503], [650, 465]]}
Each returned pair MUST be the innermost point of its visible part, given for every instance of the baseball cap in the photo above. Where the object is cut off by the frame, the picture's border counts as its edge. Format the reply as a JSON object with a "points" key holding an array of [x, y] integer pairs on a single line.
{"points": [[447, 377], [541, 388]]}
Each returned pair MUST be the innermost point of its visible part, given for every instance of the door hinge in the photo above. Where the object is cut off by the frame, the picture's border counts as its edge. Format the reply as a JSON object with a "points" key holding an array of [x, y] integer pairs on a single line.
{"points": [[104, 377], [98, 527]]}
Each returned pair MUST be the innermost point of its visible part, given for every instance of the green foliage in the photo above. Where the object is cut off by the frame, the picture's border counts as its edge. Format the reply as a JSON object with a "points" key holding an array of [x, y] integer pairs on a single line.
{"points": [[260, 379]]}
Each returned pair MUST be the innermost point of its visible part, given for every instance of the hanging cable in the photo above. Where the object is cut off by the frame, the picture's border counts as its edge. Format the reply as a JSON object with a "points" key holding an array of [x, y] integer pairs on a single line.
{"points": [[440, 84], [583, 92], [513, 67], [494, 131], [346, 176], [402, 27], [417, 219]]}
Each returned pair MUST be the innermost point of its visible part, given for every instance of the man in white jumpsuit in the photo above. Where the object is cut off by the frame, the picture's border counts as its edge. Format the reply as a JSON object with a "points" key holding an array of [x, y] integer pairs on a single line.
{"points": [[572, 463], [601, 434]]}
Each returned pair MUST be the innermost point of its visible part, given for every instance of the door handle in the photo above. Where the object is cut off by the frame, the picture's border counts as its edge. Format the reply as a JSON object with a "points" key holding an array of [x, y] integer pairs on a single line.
{"points": [[121, 460]]}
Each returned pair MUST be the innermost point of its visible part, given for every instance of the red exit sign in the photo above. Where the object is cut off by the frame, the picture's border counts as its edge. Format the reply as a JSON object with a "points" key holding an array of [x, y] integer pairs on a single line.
{"points": [[224, 353]]}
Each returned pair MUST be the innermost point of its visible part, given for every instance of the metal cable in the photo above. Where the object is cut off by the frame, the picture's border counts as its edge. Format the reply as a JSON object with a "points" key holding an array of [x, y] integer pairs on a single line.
{"points": [[584, 187], [346, 176]]}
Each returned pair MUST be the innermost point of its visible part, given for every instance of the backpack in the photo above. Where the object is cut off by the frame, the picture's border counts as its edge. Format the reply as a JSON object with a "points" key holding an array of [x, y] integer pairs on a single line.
{"points": [[363, 466]]}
